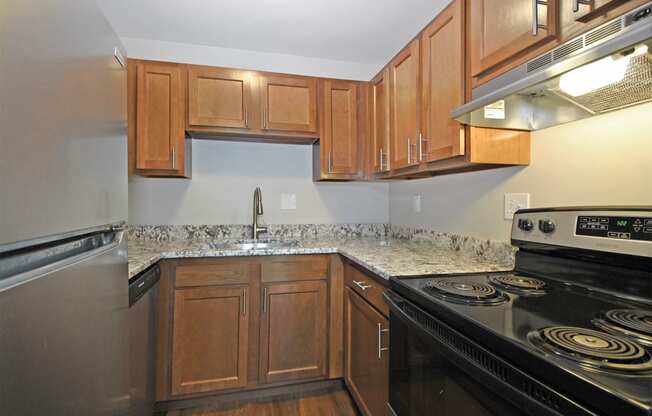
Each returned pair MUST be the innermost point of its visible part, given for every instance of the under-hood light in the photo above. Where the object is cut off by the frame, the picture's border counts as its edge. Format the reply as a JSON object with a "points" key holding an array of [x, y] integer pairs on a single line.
{"points": [[598, 74]]}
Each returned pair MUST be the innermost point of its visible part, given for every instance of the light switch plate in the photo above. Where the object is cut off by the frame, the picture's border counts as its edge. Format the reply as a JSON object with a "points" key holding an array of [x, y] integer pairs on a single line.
{"points": [[288, 202], [514, 202], [417, 203]]}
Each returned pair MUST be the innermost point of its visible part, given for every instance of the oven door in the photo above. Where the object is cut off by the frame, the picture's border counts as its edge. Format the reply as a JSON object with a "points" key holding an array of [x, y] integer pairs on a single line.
{"points": [[436, 370]]}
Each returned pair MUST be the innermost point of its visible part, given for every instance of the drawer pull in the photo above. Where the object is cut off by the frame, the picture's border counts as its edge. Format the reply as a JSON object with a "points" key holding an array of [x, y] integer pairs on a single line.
{"points": [[380, 341], [362, 285]]}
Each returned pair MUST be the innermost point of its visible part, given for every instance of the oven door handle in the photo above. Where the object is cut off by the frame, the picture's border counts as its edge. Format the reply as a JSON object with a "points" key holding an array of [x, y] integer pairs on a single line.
{"points": [[490, 370]]}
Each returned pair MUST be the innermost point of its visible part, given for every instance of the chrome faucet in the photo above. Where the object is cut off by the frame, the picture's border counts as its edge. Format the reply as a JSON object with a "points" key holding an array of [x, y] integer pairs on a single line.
{"points": [[258, 210]]}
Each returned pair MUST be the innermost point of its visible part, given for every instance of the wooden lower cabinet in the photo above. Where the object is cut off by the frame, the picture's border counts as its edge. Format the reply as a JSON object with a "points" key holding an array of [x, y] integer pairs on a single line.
{"points": [[366, 362], [210, 339], [247, 323], [293, 331]]}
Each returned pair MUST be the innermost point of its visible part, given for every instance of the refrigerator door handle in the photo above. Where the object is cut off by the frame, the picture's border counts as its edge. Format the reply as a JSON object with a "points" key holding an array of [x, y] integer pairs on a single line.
{"points": [[27, 265]]}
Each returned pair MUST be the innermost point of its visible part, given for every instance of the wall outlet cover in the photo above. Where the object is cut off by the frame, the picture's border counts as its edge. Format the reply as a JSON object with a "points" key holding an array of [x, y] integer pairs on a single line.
{"points": [[288, 202], [417, 203], [514, 202]]}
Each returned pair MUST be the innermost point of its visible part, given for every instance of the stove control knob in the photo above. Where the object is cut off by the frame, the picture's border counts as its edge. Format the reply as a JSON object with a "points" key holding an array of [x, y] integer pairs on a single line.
{"points": [[525, 224], [546, 226]]}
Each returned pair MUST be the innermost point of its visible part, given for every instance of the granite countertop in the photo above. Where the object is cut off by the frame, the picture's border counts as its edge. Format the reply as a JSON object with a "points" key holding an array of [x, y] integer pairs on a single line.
{"points": [[384, 257]]}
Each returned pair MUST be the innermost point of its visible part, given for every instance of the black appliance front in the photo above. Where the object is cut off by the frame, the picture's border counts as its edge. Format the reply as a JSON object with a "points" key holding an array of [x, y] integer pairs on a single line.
{"points": [[436, 370]]}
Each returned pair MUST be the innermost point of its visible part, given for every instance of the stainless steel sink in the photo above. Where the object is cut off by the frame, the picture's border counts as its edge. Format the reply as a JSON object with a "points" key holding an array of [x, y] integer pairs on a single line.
{"points": [[253, 244]]}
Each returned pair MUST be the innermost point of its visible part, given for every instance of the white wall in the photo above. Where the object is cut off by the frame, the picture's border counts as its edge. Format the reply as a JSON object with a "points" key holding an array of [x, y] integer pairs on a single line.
{"points": [[225, 175], [603, 160], [245, 59]]}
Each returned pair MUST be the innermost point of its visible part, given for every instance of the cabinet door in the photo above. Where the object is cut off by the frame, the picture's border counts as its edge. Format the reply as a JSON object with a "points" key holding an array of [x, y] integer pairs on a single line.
{"points": [[289, 103], [339, 128], [503, 29], [366, 360], [404, 81], [380, 121], [160, 110], [209, 340], [442, 73], [293, 338], [219, 97]]}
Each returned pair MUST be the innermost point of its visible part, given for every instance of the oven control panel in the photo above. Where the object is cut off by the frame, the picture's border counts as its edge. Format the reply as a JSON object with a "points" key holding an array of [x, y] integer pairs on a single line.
{"points": [[623, 228]]}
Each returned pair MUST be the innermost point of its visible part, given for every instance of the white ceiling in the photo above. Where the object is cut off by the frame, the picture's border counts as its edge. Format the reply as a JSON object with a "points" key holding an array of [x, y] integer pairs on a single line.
{"points": [[363, 31]]}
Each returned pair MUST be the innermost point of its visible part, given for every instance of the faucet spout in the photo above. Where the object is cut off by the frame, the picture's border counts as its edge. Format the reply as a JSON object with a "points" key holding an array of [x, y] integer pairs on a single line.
{"points": [[257, 211]]}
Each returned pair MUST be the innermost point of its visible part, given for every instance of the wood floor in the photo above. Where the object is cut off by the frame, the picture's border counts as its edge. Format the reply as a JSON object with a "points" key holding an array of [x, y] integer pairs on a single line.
{"points": [[333, 403]]}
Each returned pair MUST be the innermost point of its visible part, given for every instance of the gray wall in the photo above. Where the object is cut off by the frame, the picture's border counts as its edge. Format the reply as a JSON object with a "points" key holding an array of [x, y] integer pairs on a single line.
{"points": [[225, 175], [604, 160]]}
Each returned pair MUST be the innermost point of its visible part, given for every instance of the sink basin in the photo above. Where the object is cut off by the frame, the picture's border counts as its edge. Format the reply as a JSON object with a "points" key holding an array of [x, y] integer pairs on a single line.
{"points": [[253, 244]]}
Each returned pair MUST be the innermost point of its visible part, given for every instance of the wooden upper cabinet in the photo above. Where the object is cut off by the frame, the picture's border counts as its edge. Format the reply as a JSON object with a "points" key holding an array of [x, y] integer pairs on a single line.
{"points": [[289, 103], [159, 115], [339, 140], [502, 29], [579, 16], [219, 97], [366, 369], [404, 106], [442, 74], [293, 331], [379, 135], [209, 339]]}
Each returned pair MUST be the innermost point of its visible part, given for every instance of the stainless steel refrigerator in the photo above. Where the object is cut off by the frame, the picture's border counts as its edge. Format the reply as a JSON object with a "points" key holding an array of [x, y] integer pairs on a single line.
{"points": [[63, 204]]}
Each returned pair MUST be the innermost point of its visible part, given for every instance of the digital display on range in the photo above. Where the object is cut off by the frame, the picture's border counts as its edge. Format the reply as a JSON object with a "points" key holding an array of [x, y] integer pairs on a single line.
{"points": [[623, 228]]}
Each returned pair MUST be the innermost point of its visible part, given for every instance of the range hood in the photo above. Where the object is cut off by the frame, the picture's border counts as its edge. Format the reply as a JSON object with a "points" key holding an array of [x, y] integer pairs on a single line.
{"points": [[605, 69]]}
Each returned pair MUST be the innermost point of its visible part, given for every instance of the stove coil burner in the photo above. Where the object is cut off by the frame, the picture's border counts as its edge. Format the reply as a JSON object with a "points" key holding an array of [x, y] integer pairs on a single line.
{"points": [[519, 284], [593, 348], [467, 293], [635, 323]]}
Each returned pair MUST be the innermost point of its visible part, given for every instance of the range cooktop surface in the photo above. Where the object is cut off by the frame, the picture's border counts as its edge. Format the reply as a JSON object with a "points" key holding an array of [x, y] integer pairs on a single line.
{"points": [[561, 332]]}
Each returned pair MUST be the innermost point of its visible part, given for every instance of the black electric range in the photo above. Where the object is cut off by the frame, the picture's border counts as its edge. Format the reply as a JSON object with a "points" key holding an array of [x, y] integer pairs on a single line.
{"points": [[568, 332]]}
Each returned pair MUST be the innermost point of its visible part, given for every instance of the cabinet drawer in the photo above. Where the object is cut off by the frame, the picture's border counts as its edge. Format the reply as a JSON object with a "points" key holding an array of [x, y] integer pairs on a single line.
{"points": [[287, 269], [225, 273], [367, 287]]}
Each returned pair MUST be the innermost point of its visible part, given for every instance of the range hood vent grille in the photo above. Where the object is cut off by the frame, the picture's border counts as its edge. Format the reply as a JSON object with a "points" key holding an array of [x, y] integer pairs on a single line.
{"points": [[603, 32], [565, 50]]}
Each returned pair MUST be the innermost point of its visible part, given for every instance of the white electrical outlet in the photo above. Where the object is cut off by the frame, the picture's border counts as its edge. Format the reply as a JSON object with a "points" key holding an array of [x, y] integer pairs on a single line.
{"points": [[417, 203], [514, 202], [288, 202]]}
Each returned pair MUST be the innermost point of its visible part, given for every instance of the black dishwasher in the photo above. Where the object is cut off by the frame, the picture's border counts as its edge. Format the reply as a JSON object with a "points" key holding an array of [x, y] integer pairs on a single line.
{"points": [[143, 290]]}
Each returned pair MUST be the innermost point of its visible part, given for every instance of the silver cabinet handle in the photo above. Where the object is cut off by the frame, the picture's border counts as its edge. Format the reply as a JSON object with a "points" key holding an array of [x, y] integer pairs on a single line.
{"points": [[409, 151], [381, 159], [380, 341], [246, 116], [535, 16], [362, 285], [420, 147], [264, 300], [576, 4], [244, 301], [330, 161], [174, 157], [264, 118]]}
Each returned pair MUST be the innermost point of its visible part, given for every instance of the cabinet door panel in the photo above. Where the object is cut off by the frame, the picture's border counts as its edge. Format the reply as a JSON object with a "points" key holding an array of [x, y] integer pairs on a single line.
{"points": [[339, 134], [159, 117], [289, 103], [442, 74], [210, 335], [502, 29], [380, 93], [404, 106], [367, 368], [293, 340], [219, 97]]}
